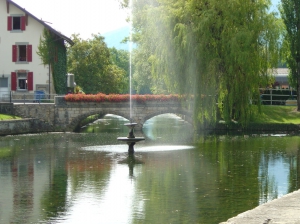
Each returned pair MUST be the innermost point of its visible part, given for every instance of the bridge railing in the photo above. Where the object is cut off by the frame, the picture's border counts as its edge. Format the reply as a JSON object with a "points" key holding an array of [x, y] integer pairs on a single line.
{"points": [[25, 97], [268, 96]]}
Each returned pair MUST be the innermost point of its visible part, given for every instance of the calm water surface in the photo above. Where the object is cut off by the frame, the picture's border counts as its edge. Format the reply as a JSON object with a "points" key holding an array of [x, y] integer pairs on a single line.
{"points": [[173, 177]]}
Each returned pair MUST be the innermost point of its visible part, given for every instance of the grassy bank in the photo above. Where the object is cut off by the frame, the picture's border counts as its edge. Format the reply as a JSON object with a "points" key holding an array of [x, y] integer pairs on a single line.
{"points": [[278, 115], [271, 118], [8, 117]]}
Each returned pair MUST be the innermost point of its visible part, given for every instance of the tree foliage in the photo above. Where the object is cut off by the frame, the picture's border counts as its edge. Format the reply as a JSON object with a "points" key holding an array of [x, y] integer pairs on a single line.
{"points": [[290, 13], [90, 62], [219, 51], [120, 58]]}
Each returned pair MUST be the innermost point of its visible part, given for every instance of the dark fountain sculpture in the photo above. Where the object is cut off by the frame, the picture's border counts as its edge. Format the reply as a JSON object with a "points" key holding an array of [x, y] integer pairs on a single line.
{"points": [[131, 139]]}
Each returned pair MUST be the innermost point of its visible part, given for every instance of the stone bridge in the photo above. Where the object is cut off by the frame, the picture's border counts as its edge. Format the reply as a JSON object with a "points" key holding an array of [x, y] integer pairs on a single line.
{"points": [[66, 116]]}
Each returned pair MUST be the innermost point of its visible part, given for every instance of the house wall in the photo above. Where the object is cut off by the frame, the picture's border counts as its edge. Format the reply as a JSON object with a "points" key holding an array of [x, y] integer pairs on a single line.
{"points": [[31, 35]]}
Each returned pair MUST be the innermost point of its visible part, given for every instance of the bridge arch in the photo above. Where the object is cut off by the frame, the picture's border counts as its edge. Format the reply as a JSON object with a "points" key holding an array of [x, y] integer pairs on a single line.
{"points": [[74, 124], [187, 115]]}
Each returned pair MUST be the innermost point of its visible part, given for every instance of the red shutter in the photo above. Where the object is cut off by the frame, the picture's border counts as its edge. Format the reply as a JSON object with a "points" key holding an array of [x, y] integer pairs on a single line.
{"points": [[9, 23], [14, 53], [29, 53], [23, 22], [13, 81], [30, 81]]}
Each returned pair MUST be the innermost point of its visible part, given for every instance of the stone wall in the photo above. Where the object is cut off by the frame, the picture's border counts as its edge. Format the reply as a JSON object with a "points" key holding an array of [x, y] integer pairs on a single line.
{"points": [[6, 108], [24, 126], [44, 112]]}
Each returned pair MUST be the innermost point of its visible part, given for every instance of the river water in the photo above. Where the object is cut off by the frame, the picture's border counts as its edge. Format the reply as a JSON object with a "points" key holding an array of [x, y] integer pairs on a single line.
{"points": [[173, 177]]}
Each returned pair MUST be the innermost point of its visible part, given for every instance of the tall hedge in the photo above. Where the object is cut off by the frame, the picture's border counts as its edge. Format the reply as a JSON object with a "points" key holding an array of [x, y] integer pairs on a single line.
{"points": [[52, 50]]}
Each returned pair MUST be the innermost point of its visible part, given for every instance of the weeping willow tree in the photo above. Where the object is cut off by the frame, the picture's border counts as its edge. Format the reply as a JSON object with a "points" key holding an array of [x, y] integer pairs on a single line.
{"points": [[290, 13], [220, 52]]}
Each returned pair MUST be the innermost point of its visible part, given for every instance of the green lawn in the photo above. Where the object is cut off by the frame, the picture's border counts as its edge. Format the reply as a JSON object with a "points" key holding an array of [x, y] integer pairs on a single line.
{"points": [[278, 114], [8, 117]]}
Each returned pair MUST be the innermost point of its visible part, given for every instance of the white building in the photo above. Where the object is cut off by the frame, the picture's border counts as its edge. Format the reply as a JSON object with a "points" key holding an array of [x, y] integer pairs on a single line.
{"points": [[21, 69], [281, 78]]}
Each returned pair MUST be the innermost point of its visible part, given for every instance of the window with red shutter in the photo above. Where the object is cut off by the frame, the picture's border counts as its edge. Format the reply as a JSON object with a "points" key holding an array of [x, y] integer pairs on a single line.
{"points": [[16, 23], [13, 81], [22, 53]]}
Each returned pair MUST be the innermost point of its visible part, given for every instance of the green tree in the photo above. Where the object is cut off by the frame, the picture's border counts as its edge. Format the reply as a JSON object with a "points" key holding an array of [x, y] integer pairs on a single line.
{"points": [[120, 58], [209, 49], [142, 72], [90, 62], [290, 13]]}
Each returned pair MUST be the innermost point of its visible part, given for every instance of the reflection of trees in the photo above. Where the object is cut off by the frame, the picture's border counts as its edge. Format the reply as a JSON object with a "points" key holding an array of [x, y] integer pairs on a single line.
{"points": [[236, 170], [268, 187], [168, 189], [54, 199], [88, 167], [294, 177], [40, 170], [222, 178]]}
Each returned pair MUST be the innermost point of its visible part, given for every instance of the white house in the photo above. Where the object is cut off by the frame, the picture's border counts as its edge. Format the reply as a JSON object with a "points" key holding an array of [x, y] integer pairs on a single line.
{"points": [[281, 78], [21, 69]]}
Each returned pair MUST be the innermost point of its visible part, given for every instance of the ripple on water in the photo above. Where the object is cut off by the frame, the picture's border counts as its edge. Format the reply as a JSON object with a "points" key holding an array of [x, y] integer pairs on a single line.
{"points": [[124, 148]]}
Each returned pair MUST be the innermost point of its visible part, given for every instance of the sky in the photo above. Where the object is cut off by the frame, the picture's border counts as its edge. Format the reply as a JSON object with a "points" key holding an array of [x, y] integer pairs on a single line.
{"points": [[84, 17], [74, 16]]}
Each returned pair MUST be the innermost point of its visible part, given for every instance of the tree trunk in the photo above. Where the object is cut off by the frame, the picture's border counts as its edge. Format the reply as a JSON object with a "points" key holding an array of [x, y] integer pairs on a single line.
{"points": [[298, 86]]}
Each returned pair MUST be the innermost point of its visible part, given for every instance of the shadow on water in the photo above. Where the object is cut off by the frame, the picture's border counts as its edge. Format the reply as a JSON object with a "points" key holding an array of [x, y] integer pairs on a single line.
{"points": [[131, 161]]}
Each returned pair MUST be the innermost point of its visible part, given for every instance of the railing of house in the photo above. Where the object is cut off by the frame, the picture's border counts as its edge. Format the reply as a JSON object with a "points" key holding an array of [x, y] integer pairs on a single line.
{"points": [[19, 97]]}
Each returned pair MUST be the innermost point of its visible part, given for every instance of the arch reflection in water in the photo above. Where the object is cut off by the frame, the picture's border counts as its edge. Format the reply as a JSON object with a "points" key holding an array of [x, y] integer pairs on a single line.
{"points": [[168, 128]]}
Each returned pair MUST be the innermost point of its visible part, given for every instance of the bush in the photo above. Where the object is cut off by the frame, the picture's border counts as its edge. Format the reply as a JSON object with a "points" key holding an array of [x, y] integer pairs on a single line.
{"points": [[101, 97]]}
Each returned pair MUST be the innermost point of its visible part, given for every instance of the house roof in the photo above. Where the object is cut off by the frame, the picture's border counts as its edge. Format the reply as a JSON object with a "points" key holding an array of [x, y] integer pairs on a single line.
{"points": [[42, 22], [281, 71]]}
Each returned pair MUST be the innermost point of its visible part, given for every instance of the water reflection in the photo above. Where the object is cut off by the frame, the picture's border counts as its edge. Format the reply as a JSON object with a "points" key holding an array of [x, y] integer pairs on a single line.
{"points": [[89, 177]]}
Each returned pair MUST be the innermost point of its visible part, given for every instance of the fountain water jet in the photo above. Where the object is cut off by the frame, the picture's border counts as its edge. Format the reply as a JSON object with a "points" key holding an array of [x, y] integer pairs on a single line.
{"points": [[130, 139]]}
